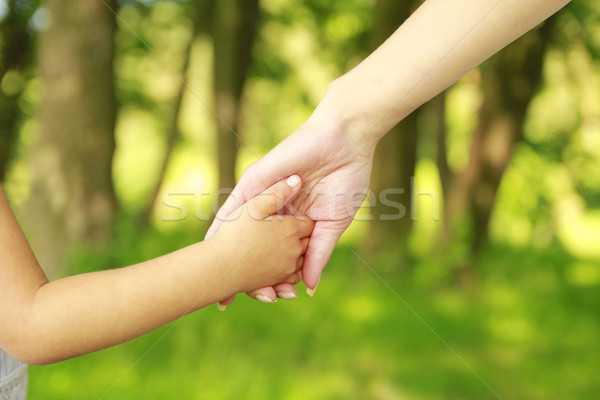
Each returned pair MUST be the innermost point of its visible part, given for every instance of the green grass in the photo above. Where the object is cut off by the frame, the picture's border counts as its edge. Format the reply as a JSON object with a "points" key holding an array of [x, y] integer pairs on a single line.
{"points": [[523, 329]]}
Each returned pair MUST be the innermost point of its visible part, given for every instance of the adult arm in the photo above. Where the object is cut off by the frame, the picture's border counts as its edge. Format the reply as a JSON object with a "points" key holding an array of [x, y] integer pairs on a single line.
{"points": [[333, 150]]}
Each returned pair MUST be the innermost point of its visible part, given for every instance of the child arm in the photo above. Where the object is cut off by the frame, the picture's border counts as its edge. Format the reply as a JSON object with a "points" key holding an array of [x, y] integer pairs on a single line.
{"points": [[43, 322]]}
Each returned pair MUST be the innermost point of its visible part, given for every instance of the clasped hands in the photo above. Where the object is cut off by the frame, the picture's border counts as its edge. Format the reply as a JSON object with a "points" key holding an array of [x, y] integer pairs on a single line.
{"points": [[334, 169]]}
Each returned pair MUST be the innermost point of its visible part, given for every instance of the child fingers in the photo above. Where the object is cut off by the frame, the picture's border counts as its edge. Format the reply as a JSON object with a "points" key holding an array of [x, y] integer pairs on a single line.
{"points": [[274, 198], [299, 264], [294, 278], [230, 205], [305, 226], [303, 246]]}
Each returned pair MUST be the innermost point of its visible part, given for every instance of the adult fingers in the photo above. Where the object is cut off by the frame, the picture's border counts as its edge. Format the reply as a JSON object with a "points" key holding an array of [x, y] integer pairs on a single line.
{"points": [[286, 291], [222, 305], [321, 245], [266, 294]]}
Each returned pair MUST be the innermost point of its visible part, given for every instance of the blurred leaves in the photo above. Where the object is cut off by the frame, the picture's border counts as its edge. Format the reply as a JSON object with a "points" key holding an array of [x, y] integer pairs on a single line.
{"points": [[528, 326]]}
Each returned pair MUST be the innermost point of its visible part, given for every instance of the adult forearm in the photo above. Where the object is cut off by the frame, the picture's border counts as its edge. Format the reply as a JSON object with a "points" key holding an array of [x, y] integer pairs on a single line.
{"points": [[88, 312], [437, 45]]}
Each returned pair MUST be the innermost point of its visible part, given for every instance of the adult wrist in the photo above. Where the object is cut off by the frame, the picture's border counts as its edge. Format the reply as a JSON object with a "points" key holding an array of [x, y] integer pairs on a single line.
{"points": [[349, 117]]}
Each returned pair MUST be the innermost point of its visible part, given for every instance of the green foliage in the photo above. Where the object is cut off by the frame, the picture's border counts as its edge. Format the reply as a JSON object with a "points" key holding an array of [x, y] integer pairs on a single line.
{"points": [[130, 246], [528, 326], [527, 331]]}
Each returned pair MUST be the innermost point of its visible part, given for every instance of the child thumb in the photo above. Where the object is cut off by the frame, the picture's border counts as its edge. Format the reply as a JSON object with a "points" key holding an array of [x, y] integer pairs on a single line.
{"points": [[274, 198]]}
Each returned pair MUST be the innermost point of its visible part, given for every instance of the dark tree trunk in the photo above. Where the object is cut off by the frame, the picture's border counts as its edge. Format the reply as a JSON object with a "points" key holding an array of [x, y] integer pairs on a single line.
{"points": [[509, 81], [72, 200], [234, 29], [395, 156], [509, 85], [16, 59]]}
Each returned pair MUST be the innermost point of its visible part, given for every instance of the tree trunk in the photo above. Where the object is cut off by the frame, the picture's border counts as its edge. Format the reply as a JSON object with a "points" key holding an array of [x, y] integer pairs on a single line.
{"points": [[509, 81], [509, 86], [234, 29], [172, 136], [72, 199], [395, 157], [200, 15], [16, 59]]}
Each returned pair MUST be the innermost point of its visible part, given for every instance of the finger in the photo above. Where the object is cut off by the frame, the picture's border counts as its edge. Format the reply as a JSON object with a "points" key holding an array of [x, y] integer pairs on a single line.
{"points": [[274, 198], [266, 294], [222, 305], [306, 226], [293, 279], [286, 290], [321, 245], [255, 179], [233, 202], [300, 263], [304, 245]]}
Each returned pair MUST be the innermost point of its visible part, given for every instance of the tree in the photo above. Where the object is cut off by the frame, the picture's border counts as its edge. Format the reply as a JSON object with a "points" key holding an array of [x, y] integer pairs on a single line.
{"points": [[72, 199], [234, 29], [396, 153], [16, 52], [201, 23], [509, 82]]}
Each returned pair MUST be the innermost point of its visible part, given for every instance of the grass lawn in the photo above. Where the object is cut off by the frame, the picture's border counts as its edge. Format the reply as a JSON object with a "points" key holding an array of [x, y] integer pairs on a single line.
{"points": [[526, 332]]}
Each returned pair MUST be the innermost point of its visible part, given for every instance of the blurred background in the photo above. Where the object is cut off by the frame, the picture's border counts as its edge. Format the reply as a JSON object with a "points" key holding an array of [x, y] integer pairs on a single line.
{"points": [[106, 113]]}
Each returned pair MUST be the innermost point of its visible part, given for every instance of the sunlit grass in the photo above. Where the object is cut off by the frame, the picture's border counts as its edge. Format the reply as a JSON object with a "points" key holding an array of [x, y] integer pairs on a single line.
{"points": [[525, 333]]}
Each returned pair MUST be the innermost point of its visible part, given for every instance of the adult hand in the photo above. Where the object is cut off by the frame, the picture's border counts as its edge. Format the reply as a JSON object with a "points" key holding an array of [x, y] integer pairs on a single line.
{"points": [[424, 56], [334, 169]]}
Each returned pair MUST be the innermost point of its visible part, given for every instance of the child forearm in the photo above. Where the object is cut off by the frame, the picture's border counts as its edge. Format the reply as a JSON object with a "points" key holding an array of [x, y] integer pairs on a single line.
{"points": [[43, 322], [88, 312]]}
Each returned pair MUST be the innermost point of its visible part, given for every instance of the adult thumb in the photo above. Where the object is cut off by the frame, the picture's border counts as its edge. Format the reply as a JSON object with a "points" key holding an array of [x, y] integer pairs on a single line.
{"points": [[274, 198]]}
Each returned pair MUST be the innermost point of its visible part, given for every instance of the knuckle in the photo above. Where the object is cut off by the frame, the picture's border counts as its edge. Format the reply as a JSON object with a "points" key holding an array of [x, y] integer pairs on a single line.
{"points": [[250, 171], [292, 267], [277, 191]]}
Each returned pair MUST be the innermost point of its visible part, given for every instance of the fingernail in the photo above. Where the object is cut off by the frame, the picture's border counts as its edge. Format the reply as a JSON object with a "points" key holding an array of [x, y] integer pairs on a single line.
{"points": [[287, 295], [311, 292], [264, 298], [221, 307], [293, 180]]}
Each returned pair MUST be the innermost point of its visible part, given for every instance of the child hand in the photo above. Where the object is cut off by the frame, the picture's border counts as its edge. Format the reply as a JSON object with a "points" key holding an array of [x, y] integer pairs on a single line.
{"points": [[256, 248]]}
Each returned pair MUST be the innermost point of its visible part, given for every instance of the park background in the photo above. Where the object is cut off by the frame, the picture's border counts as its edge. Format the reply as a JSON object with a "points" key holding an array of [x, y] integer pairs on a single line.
{"points": [[105, 112]]}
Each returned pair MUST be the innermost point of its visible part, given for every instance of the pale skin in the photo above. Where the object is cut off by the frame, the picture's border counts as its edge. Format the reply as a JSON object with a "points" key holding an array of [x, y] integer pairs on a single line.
{"points": [[43, 322], [333, 150]]}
